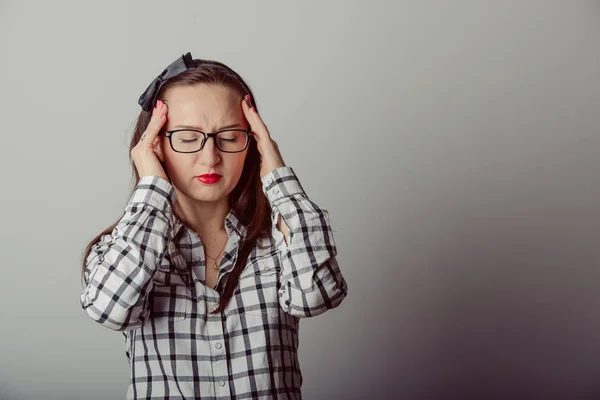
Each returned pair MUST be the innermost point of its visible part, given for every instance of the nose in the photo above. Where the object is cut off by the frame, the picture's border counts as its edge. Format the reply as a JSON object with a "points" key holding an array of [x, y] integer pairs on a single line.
{"points": [[209, 153]]}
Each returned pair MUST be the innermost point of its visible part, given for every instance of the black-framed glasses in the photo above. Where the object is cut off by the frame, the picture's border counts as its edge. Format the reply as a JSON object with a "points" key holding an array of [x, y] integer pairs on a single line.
{"points": [[193, 140]]}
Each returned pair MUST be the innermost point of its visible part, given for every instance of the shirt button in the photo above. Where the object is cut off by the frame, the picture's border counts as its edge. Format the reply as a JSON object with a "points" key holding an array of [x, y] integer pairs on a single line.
{"points": [[197, 258], [221, 383], [276, 191], [267, 268], [218, 345], [270, 180]]}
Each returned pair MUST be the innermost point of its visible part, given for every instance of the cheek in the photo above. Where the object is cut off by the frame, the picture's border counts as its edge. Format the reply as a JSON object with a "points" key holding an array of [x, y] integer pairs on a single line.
{"points": [[178, 166], [241, 161], [237, 165]]}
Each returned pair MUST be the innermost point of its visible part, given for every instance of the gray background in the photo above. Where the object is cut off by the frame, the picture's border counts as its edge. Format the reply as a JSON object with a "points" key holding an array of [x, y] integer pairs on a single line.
{"points": [[455, 145]]}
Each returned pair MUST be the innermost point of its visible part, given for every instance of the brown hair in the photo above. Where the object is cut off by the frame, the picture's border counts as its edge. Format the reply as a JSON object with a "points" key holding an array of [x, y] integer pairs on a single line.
{"points": [[247, 199]]}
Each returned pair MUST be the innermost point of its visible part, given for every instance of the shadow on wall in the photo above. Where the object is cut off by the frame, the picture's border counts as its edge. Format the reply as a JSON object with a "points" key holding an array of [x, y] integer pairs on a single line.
{"points": [[495, 288], [9, 391], [512, 316]]}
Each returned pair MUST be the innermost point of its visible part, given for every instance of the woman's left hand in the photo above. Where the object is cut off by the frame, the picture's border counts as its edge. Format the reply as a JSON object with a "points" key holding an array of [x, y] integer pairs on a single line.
{"points": [[270, 156]]}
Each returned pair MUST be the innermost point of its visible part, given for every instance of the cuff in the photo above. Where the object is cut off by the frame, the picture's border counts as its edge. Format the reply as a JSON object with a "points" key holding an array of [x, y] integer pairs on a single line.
{"points": [[155, 191], [280, 183]]}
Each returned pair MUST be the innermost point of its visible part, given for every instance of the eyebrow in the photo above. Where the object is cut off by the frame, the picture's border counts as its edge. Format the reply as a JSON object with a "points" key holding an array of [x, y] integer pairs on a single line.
{"points": [[235, 125]]}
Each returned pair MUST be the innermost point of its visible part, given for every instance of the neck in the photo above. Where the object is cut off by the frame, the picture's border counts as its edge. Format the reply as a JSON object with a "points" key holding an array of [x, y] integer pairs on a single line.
{"points": [[206, 218]]}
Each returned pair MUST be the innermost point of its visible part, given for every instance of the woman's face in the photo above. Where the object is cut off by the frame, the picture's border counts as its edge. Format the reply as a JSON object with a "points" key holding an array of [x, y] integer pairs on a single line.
{"points": [[209, 108]]}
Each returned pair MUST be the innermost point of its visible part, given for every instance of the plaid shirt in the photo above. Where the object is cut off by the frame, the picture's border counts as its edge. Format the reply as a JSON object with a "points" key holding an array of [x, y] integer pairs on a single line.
{"points": [[147, 280]]}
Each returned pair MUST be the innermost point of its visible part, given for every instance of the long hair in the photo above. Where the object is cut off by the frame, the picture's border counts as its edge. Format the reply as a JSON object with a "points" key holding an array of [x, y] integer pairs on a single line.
{"points": [[247, 199]]}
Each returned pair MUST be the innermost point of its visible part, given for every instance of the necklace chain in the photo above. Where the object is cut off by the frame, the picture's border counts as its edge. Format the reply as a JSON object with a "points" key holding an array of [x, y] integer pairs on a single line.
{"points": [[215, 265]]}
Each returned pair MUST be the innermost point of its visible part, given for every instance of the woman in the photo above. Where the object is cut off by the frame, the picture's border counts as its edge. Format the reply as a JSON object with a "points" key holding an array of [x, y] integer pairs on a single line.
{"points": [[219, 252]]}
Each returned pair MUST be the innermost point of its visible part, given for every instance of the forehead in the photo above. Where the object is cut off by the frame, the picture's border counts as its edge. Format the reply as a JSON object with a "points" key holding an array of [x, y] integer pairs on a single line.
{"points": [[203, 105]]}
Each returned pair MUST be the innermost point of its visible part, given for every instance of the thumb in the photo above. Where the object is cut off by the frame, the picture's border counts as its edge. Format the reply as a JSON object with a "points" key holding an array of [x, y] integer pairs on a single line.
{"points": [[157, 149]]}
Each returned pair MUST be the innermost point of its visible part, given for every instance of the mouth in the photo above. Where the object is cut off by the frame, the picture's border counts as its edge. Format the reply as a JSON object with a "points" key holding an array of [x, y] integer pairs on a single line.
{"points": [[209, 178]]}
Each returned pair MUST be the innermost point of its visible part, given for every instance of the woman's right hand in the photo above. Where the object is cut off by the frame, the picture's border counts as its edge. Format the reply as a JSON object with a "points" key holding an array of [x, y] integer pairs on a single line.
{"points": [[143, 153]]}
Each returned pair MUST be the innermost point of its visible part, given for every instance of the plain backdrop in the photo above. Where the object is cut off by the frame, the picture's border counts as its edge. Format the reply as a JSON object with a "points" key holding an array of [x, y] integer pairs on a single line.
{"points": [[454, 143]]}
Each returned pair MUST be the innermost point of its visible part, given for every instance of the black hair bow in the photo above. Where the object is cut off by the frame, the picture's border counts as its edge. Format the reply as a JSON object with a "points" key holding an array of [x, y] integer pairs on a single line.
{"points": [[183, 63]]}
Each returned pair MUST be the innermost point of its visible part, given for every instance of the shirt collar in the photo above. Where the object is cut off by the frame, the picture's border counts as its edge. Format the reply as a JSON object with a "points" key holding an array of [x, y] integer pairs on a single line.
{"points": [[232, 225], [232, 222]]}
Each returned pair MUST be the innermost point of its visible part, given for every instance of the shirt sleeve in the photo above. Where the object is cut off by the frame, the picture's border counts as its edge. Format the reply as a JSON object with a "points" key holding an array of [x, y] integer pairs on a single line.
{"points": [[311, 280], [121, 265]]}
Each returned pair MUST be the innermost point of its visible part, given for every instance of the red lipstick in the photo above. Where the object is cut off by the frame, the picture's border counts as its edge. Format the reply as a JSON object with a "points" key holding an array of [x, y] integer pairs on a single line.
{"points": [[209, 178]]}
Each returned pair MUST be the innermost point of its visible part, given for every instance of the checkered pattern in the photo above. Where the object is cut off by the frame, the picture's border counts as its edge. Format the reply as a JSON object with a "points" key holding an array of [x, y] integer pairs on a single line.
{"points": [[147, 280]]}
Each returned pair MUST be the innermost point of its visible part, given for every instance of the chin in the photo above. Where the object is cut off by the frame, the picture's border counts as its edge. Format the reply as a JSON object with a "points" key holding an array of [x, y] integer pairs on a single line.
{"points": [[214, 192]]}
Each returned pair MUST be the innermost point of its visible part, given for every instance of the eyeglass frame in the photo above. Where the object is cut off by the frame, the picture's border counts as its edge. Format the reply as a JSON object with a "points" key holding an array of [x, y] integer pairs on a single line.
{"points": [[206, 137]]}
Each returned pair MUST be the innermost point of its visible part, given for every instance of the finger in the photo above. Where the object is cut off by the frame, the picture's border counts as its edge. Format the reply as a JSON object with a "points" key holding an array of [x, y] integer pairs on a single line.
{"points": [[256, 123], [246, 108], [247, 114], [159, 116]]}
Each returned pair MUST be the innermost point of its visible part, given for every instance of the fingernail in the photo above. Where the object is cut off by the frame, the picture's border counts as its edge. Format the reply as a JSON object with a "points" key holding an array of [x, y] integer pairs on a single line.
{"points": [[153, 111]]}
